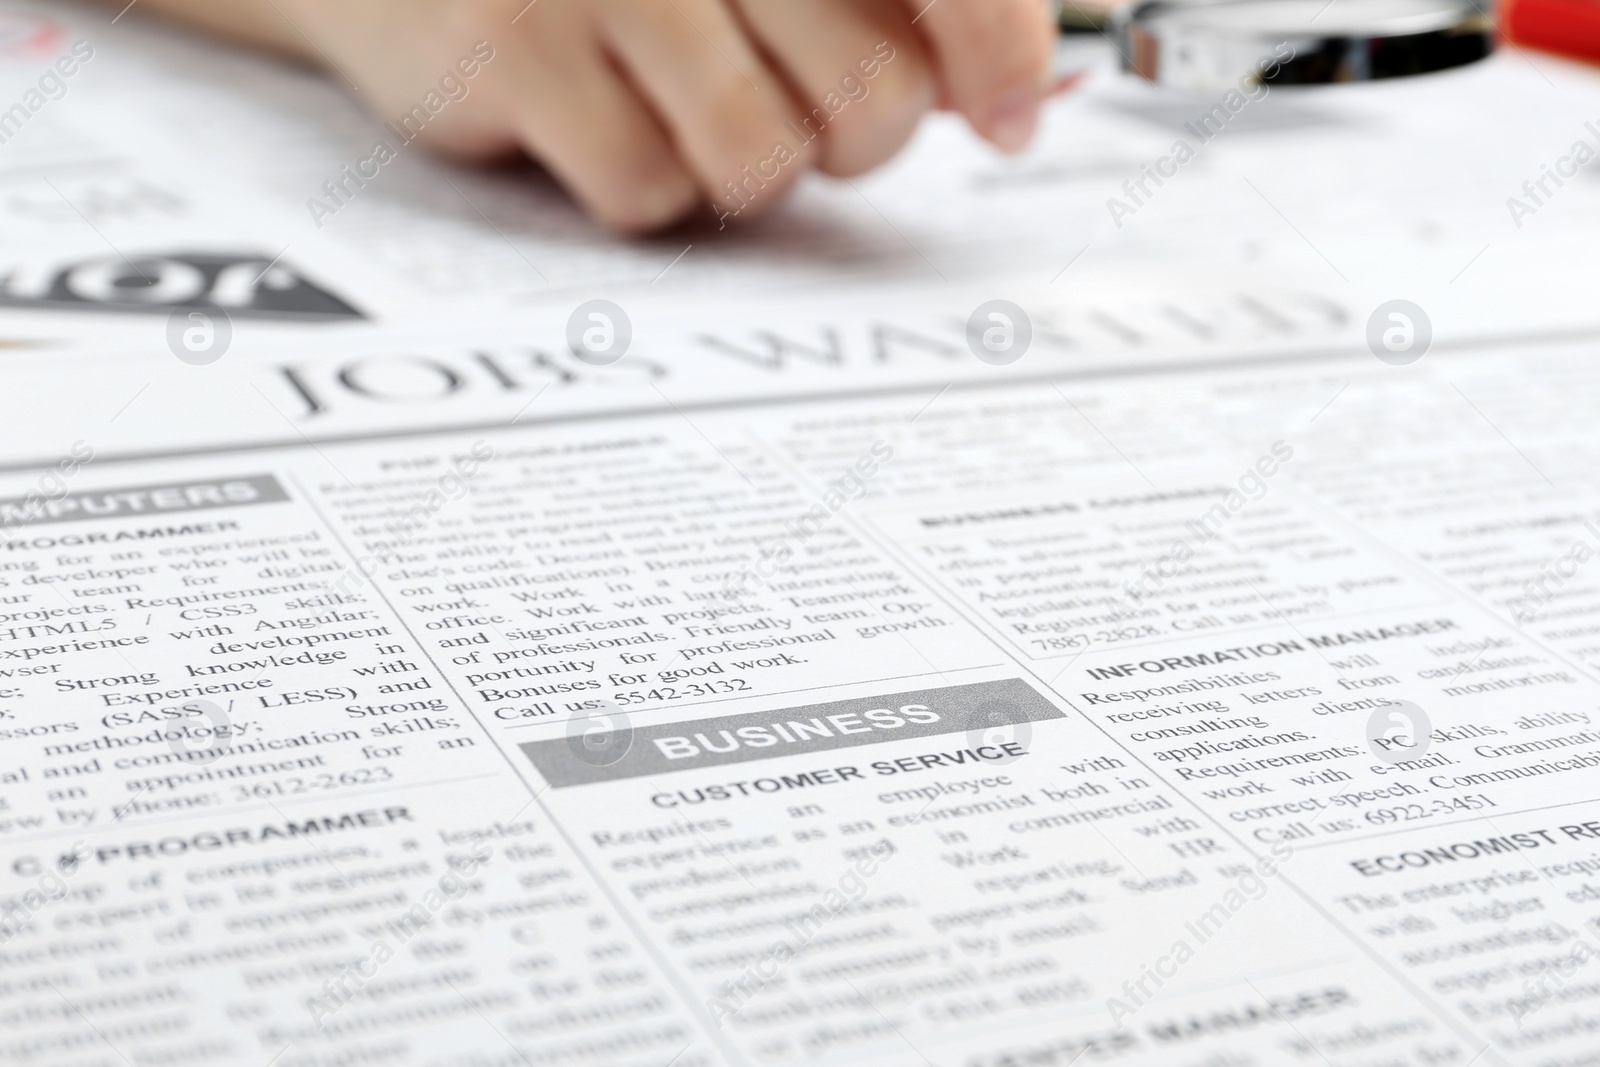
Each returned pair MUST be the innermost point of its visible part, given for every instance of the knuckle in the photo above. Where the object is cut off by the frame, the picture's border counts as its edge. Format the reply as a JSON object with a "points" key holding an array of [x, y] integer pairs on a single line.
{"points": [[630, 181], [870, 131], [479, 19], [738, 114], [741, 129], [904, 86], [1007, 43], [641, 201]]}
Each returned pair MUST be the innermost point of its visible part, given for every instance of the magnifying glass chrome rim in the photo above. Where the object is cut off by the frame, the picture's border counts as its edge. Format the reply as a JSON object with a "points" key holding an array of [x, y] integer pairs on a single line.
{"points": [[1211, 45]]}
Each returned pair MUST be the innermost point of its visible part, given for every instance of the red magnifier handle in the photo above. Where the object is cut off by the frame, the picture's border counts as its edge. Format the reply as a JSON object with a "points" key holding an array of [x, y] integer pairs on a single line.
{"points": [[1566, 27]]}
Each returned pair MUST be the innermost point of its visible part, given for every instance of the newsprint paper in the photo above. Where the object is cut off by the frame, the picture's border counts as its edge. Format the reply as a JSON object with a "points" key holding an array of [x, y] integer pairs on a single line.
{"points": [[435, 634], [503, 704]]}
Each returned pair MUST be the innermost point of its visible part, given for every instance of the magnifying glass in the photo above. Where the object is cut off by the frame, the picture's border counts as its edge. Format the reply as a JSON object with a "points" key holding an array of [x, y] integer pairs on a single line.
{"points": [[1210, 45]]}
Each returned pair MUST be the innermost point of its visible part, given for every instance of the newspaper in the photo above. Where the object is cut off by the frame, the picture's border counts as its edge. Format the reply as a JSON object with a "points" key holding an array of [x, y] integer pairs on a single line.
{"points": [[1149, 668], [1142, 715]]}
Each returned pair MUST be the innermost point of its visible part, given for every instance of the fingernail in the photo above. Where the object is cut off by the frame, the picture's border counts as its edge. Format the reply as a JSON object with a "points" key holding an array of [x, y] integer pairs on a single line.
{"points": [[1013, 120]]}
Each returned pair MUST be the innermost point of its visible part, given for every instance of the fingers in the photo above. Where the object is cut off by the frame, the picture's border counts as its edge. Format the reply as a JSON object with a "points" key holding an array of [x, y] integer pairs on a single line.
{"points": [[579, 117], [858, 70], [727, 111], [994, 60]]}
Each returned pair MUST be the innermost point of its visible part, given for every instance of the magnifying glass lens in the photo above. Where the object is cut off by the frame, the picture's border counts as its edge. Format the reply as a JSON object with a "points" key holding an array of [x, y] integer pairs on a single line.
{"points": [[1212, 45]]}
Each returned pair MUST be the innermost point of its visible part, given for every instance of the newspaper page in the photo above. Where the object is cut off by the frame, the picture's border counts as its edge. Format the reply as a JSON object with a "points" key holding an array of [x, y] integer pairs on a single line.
{"points": [[906, 632], [1232, 712]]}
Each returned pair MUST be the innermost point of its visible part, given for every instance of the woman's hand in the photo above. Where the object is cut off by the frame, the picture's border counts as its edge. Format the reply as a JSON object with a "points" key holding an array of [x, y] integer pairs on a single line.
{"points": [[647, 109]]}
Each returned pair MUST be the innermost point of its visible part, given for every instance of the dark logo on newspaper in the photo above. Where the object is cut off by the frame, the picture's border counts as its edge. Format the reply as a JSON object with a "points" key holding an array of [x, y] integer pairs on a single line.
{"points": [[245, 286]]}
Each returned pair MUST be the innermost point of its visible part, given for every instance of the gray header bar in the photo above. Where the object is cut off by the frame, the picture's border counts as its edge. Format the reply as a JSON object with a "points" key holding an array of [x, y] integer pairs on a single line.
{"points": [[167, 498], [607, 747]]}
